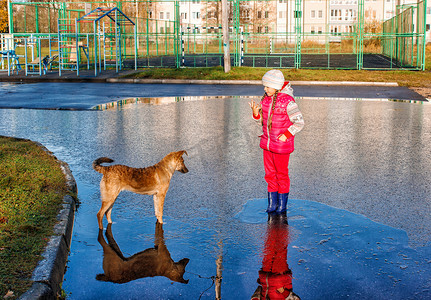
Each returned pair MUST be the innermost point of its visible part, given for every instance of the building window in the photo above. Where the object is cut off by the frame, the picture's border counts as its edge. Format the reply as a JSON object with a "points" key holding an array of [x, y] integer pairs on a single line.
{"points": [[266, 14], [168, 15], [183, 16], [320, 14], [161, 15], [266, 29], [312, 30], [259, 15], [334, 30], [162, 30], [313, 14]]}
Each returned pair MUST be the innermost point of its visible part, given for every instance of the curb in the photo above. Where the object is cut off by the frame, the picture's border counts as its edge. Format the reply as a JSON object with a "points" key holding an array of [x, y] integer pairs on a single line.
{"points": [[48, 275], [355, 83], [243, 82], [182, 81]]}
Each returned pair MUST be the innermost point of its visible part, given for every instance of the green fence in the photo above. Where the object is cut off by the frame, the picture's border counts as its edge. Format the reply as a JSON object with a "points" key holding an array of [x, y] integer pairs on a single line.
{"points": [[403, 36], [322, 34]]}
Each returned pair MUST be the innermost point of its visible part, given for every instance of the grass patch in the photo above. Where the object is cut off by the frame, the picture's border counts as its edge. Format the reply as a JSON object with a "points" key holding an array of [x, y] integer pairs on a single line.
{"points": [[32, 187], [403, 78]]}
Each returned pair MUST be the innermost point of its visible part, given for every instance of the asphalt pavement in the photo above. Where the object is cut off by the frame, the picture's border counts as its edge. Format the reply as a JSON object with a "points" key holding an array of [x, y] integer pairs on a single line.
{"points": [[69, 91]]}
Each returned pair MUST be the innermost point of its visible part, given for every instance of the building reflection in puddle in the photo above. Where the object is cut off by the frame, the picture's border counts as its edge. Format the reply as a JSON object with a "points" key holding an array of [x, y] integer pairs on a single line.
{"points": [[130, 102], [275, 276], [151, 262]]}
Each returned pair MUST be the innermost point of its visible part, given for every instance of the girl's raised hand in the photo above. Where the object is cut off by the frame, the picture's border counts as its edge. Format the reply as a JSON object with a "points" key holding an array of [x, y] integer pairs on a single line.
{"points": [[255, 107]]}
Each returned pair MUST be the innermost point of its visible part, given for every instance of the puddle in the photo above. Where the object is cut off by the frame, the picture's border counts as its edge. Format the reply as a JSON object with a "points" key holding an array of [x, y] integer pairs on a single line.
{"points": [[353, 159]]}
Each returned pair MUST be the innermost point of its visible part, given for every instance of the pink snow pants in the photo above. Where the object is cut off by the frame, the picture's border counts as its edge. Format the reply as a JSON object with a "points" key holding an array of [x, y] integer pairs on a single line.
{"points": [[276, 171]]}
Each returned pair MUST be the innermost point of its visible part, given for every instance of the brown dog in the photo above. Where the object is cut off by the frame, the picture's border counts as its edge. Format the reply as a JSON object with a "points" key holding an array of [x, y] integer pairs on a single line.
{"points": [[151, 262], [153, 180]]}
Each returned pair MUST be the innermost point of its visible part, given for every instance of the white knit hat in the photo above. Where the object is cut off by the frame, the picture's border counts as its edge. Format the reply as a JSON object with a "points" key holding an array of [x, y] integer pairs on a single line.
{"points": [[273, 79]]}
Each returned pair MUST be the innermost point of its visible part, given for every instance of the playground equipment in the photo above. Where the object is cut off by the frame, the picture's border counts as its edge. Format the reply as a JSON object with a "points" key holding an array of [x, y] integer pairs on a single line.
{"points": [[9, 58], [39, 66], [35, 61], [107, 26], [29, 49], [69, 47], [327, 34]]}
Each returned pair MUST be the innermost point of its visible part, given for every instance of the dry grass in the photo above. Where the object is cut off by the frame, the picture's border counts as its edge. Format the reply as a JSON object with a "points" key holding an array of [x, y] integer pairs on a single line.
{"points": [[403, 78]]}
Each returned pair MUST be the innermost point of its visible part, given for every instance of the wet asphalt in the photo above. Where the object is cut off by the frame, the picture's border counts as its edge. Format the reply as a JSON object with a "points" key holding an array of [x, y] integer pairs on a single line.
{"points": [[359, 217], [81, 96]]}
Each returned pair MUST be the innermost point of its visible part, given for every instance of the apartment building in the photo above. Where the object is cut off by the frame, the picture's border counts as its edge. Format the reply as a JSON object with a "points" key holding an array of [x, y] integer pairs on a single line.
{"points": [[319, 17], [428, 29], [190, 13]]}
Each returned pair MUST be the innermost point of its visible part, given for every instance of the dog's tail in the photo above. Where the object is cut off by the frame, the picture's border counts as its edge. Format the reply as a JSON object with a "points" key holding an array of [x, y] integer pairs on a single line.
{"points": [[101, 160]]}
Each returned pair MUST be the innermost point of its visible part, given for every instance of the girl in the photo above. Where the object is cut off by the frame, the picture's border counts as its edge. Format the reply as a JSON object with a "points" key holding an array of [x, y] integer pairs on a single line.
{"points": [[281, 120]]}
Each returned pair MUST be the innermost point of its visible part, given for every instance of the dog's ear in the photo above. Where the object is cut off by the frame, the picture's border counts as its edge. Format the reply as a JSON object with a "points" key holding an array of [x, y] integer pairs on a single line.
{"points": [[184, 262], [180, 153], [102, 277]]}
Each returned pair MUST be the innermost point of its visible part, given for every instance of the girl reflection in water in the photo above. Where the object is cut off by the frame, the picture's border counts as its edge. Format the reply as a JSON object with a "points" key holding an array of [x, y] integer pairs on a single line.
{"points": [[281, 120], [275, 277]]}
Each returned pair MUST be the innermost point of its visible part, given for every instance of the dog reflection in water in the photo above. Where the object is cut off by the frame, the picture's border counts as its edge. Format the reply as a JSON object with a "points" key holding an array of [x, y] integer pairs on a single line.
{"points": [[151, 262]]}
